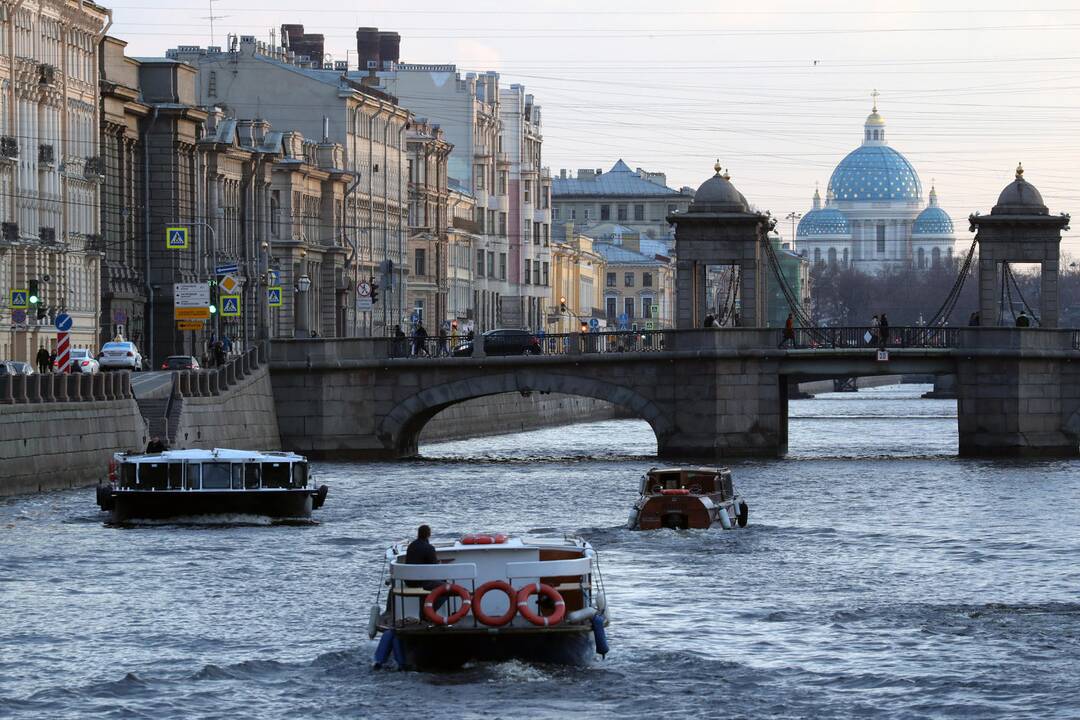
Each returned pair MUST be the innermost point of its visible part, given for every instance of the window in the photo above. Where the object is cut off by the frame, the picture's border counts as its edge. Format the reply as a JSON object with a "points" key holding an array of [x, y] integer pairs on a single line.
{"points": [[536, 233], [605, 212], [573, 213], [544, 197], [546, 277], [646, 279], [832, 256], [480, 220], [502, 183], [671, 209], [480, 263], [881, 238], [935, 256], [216, 476], [556, 213], [628, 307], [491, 263], [421, 261], [536, 272], [418, 309], [628, 279], [646, 307], [547, 234], [502, 266], [817, 256], [479, 176], [528, 190], [502, 224], [588, 214], [275, 475], [612, 307], [922, 258], [491, 222], [528, 266], [611, 279], [639, 212], [622, 213]]}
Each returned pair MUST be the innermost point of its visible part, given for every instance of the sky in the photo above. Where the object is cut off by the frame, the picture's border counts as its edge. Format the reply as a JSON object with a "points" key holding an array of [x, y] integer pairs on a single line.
{"points": [[777, 90]]}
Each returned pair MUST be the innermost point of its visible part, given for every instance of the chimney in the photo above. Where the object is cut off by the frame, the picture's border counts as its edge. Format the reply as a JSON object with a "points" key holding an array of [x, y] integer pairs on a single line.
{"points": [[367, 48], [301, 43], [389, 49]]}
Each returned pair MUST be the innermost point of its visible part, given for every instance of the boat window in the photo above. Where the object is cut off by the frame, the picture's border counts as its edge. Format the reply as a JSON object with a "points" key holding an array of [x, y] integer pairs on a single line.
{"points": [[194, 477], [176, 476], [275, 475], [237, 477], [299, 475], [127, 475], [153, 476], [216, 476], [725, 483], [251, 476]]}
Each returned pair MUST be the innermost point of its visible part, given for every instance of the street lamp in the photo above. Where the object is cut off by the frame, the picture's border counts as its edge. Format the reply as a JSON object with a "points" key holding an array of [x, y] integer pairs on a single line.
{"points": [[793, 217], [303, 283]]}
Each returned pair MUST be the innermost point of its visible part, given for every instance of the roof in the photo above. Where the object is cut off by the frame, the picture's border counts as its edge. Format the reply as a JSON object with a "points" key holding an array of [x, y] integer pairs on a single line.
{"points": [[826, 221], [221, 454], [932, 221], [618, 255], [619, 181], [874, 173]]}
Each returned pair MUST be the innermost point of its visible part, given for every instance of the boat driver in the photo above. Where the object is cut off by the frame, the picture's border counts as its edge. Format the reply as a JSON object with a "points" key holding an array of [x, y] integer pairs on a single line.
{"points": [[422, 552]]}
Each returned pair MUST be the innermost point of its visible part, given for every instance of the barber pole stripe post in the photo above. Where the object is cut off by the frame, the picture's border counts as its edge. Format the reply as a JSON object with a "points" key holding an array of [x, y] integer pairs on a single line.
{"points": [[63, 352]]}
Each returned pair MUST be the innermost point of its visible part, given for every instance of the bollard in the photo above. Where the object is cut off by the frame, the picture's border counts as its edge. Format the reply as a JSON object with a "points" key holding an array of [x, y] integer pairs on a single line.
{"points": [[5, 391], [230, 374], [33, 393], [72, 383], [86, 387], [98, 386], [59, 383], [111, 381], [204, 384], [182, 382], [18, 388], [213, 385], [46, 387], [125, 387]]}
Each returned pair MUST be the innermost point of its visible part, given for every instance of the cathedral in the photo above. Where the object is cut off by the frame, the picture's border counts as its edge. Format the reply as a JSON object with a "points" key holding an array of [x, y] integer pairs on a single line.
{"points": [[873, 217]]}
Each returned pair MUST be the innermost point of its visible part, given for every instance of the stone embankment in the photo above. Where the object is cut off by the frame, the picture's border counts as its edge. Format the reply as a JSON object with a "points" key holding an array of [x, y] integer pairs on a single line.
{"points": [[512, 412]]}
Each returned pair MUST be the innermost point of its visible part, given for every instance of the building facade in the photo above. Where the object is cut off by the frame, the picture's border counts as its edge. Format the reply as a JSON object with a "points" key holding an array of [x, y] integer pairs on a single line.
{"points": [[873, 217], [50, 173], [637, 199], [325, 103], [462, 238], [429, 247], [639, 287], [578, 273]]}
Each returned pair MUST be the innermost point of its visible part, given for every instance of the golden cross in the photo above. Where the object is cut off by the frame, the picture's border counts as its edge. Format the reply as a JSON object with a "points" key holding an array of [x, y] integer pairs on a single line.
{"points": [[875, 96]]}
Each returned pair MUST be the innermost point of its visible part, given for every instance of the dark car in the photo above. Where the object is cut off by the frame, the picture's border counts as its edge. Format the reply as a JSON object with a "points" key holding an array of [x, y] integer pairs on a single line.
{"points": [[180, 362], [503, 342]]}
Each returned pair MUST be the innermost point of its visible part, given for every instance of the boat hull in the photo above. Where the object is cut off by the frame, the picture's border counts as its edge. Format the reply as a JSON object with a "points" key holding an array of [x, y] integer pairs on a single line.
{"points": [[449, 649], [166, 504], [685, 512]]}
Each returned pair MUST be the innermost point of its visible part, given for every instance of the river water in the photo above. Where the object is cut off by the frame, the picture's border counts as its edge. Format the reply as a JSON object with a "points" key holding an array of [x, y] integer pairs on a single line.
{"points": [[880, 576]]}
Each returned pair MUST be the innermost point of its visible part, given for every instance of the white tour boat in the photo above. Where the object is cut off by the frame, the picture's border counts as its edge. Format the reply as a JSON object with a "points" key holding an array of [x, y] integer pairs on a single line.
{"points": [[506, 597], [180, 483]]}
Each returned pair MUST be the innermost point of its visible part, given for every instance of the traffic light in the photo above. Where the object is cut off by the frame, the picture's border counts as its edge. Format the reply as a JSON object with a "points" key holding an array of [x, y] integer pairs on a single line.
{"points": [[213, 309], [35, 291], [562, 304], [374, 292], [584, 326]]}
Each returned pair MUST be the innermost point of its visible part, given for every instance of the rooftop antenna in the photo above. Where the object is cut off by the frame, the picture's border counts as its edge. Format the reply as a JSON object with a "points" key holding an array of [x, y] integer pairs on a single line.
{"points": [[212, 17]]}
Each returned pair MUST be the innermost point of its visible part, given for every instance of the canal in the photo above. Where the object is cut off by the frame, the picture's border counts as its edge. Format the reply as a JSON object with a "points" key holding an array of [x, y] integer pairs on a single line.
{"points": [[880, 576]]}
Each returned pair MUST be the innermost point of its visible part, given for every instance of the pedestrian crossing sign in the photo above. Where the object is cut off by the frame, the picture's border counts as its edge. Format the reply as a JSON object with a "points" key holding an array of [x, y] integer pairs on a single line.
{"points": [[19, 298], [176, 238], [230, 306], [273, 296]]}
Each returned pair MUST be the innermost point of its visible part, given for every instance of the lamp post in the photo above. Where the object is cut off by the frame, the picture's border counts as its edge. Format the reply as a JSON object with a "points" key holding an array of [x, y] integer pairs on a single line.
{"points": [[793, 217]]}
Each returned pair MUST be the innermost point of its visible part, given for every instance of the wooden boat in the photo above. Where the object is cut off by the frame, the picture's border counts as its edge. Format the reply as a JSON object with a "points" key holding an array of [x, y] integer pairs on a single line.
{"points": [[507, 598], [182, 483], [688, 497]]}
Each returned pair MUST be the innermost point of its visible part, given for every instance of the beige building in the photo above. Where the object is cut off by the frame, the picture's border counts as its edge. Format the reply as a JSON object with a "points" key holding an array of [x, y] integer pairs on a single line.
{"points": [[463, 237], [578, 273], [639, 286], [49, 171], [429, 251]]}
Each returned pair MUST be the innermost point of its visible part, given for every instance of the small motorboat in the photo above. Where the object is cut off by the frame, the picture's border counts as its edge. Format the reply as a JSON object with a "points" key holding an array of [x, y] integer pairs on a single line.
{"points": [[183, 483], [688, 498], [491, 597]]}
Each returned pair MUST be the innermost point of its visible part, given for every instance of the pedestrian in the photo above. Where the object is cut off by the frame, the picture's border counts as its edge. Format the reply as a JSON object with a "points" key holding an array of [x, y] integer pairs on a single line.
{"points": [[973, 321], [155, 445], [420, 341], [398, 344], [884, 331], [875, 330], [219, 354], [43, 364], [789, 331], [1022, 320], [52, 360], [453, 336]]}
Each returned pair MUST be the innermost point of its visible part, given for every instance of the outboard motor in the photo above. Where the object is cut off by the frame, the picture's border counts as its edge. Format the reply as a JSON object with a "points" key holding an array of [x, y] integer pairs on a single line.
{"points": [[319, 498]]}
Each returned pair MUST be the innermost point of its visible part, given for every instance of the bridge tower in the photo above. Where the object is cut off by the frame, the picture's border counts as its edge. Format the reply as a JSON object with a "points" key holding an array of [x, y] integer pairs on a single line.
{"points": [[719, 228], [1021, 229]]}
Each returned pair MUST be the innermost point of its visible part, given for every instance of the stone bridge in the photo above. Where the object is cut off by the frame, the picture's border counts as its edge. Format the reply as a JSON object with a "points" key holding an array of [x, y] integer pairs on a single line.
{"points": [[707, 394]]}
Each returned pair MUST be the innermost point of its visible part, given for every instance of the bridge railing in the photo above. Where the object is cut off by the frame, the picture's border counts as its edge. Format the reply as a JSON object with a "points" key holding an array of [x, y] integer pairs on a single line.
{"points": [[870, 337]]}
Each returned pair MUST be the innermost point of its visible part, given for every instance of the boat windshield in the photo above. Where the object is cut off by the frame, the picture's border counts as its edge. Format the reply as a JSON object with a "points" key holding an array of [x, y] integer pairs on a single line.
{"points": [[693, 480]]}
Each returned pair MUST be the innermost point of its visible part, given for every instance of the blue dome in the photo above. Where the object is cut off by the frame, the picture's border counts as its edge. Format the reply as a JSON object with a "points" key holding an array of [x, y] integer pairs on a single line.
{"points": [[932, 221], [827, 221], [875, 173]]}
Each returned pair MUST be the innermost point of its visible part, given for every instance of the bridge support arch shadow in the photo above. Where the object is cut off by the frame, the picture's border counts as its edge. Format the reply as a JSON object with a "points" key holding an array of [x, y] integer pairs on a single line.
{"points": [[400, 430]]}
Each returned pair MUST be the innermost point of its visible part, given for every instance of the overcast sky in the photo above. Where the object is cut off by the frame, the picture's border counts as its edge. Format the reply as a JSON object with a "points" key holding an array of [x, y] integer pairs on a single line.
{"points": [[776, 90]]}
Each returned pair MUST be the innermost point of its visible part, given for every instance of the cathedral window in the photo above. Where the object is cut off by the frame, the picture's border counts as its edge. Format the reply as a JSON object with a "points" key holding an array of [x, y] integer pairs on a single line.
{"points": [[881, 238]]}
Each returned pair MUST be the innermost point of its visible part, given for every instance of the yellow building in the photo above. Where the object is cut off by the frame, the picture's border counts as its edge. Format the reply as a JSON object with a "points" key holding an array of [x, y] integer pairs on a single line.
{"points": [[578, 275], [638, 283]]}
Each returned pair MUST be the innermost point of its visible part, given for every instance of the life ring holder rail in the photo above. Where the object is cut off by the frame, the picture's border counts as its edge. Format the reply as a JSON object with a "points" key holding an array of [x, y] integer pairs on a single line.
{"points": [[536, 571]]}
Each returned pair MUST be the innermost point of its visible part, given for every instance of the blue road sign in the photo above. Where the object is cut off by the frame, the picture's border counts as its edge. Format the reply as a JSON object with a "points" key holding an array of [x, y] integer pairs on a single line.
{"points": [[19, 298], [273, 296], [18, 316], [414, 318], [226, 269], [594, 323], [230, 306], [63, 322], [176, 238]]}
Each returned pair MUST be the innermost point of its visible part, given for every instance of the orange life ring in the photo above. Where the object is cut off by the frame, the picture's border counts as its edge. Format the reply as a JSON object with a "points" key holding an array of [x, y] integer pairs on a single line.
{"points": [[534, 617], [674, 491], [429, 604], [484, 539], [478, 611]]}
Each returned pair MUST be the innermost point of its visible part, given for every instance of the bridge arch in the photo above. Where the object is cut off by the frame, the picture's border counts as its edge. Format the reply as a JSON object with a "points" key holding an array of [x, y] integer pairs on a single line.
{"points": [[401, 427]]}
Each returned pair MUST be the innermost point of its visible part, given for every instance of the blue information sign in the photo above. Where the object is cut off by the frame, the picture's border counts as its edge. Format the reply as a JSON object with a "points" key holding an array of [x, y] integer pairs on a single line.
{"points": [[63, 322]]}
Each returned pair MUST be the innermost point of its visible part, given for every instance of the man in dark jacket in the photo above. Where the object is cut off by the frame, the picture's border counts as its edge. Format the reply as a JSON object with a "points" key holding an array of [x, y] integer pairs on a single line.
{"points": [[44, 365], [421, 552]]}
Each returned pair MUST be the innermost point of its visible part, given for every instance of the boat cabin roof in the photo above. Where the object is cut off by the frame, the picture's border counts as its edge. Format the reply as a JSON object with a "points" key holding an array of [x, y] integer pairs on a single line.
{"points": [[688, 471], [215, 455]]}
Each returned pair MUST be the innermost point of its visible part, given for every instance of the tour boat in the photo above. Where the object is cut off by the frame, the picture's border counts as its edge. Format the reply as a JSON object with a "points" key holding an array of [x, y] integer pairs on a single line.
{"points": [[687, 497], [506, 598], [181, 483]]}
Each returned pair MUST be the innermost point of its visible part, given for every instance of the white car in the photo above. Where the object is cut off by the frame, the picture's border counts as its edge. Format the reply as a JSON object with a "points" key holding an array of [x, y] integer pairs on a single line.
{"points": [[83, 362], [120, 355]]}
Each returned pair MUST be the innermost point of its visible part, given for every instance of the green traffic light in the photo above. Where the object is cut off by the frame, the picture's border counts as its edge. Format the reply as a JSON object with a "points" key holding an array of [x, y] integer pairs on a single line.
{"points": [[213, 309], [33, 299]]}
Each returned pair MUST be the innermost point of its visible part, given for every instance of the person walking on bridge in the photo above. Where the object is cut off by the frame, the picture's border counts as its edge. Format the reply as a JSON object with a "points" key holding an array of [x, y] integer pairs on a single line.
{"points": [[43, 363], [420, 341], [789, 331], [884, 331], [1022, 320]]}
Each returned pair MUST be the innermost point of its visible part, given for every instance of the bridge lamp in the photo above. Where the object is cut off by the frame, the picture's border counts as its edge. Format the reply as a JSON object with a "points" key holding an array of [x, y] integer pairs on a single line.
{"points": [[584, 327]]}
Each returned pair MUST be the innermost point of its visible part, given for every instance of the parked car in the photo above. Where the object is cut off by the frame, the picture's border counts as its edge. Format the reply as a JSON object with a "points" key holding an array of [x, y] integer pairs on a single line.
{"points": [[15, 367], [120, 356], [503, 342], [81, 362], [180, 362]]}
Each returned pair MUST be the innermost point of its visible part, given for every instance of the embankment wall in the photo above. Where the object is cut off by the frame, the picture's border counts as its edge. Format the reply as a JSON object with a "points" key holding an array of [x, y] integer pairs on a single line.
{"points": [[47, 446], [242, 418], [510, 413]]}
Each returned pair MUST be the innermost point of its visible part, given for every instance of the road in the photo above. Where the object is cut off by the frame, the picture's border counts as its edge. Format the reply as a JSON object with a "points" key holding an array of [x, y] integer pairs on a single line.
{"points": [[145, 384]]}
